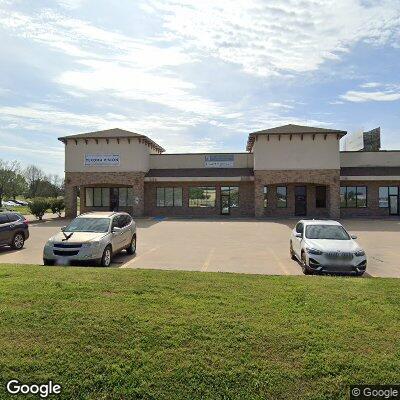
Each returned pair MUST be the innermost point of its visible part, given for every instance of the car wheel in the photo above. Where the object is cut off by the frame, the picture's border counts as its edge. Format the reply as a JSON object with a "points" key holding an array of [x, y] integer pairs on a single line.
{"points": [[18, 241], [292, 255], [132, 247], [106, 257], [304, 267], [47, 262]]}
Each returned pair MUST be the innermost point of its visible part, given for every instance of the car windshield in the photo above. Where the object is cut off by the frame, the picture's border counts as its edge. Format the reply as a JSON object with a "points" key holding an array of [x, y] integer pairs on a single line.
{"points": [[99, 225], [333, 232]]}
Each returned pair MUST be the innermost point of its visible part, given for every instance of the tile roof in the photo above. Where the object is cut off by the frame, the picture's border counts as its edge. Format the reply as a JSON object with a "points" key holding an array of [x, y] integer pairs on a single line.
{"points": [[291, 129], [114, 133]]}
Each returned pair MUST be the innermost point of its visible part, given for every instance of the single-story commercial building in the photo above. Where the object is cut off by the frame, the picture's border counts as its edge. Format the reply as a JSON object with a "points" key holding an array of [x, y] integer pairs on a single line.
{"points": [[290, 170]]}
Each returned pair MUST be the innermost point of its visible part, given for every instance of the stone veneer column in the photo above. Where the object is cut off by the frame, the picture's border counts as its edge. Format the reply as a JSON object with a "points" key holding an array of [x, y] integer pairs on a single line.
{"points": [[70, 201], [334, 200], [259, 196]]}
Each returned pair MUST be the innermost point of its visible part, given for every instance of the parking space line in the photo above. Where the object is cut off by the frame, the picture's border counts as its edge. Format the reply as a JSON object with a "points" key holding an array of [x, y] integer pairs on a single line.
{"points": [[208, 259], [280, 263], [139, 257]]}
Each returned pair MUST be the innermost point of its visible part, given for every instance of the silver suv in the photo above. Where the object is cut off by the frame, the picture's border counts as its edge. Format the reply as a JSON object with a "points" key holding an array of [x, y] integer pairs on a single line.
{"points": [[94, 236]]}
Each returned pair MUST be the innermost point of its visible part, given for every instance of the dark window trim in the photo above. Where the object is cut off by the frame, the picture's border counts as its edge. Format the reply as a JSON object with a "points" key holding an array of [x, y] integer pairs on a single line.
{"points": [[101, 197], [230, 196], [109, 197], [286, 197], [173, 195], [265, 196], [356, 206], [212, 188], [316, 197]]}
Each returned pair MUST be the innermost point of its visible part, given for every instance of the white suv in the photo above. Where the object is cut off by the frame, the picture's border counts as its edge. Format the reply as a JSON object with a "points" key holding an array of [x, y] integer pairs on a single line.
{"points": [[325, 246], [95, 236]]}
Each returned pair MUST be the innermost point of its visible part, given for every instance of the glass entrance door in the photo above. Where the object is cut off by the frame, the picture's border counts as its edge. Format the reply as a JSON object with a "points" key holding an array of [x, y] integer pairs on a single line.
{"points": [[114, 199], [225, 207], [393, 200], [393, 205], [300, 200]]}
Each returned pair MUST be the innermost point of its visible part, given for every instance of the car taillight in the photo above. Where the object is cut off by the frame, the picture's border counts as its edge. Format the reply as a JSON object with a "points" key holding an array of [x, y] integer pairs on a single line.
{"points": [[26, 221]]}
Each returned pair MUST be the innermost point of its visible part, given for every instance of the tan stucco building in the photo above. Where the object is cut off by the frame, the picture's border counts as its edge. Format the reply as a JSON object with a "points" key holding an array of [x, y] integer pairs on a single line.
{"points": [[286, 171]]}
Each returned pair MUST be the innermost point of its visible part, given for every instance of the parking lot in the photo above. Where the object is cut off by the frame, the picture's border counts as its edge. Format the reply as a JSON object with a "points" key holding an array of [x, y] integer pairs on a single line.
{"points": [[234, 245]]}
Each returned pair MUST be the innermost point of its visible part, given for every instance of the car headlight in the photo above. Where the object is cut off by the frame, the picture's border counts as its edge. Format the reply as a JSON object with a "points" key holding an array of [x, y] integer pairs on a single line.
{"points": [[359, 253], [313, 251]]}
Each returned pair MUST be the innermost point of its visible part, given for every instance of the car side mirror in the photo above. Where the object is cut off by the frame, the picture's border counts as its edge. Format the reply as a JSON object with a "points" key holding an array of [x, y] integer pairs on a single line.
{"points": [[63, 228], [353, 237], [298, 235], [115, 229]]}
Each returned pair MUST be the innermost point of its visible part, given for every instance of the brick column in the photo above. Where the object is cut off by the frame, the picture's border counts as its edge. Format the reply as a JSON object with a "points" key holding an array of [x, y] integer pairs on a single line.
{"points": [[334, 200], [138, 193], [70, 201], [258, 197]]}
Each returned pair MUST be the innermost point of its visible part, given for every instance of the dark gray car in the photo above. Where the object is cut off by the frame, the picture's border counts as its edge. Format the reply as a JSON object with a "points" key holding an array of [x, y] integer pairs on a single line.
{"points": [[14, 230]]}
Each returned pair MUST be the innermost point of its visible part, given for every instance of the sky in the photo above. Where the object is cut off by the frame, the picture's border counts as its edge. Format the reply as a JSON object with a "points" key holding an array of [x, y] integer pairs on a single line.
{"points": [[195, 76]]}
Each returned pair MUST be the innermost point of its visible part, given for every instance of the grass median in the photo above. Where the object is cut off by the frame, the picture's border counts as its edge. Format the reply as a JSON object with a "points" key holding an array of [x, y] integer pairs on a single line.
{"points": [[141, 334]]}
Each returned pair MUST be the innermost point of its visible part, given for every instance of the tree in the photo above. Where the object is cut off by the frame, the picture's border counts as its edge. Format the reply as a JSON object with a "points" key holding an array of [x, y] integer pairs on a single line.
{"points": [[8, 172], [33, 176], [18, 187]]}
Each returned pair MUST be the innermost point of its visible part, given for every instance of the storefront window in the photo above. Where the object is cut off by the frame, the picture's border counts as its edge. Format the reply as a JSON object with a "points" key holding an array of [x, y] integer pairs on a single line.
{"points": [[320, 197], [202, 197], [100, 196], [233, 193], [281, 196], [353, 196], [169, 197], [384, 197], [265, 192]]}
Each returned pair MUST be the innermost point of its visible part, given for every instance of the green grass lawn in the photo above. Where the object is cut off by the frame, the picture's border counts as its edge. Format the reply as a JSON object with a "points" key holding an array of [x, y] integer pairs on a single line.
{"points": [[140, 334]]}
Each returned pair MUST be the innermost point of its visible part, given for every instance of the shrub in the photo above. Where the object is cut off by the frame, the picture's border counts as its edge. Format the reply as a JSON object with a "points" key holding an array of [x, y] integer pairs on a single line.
{"points": [[39, 206], [57, 206]]}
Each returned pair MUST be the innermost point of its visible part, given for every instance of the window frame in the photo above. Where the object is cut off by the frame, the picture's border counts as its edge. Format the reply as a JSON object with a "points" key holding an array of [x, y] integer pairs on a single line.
{"points": [[265, 196], [286, 197], [228, 192], [204, 188], [324, 197], [87, 189], [106, 201], [174, 190], [356, 197]]}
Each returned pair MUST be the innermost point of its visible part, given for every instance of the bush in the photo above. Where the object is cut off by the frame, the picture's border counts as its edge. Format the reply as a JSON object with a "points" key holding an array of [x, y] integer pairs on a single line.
{"points": [[39, 206], [57, 206]]}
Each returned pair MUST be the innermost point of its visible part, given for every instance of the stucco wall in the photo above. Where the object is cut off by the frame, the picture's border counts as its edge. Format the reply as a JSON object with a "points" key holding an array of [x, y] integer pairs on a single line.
{"points": [[370, 159], [166, 161], [311, 152], [134, 156]]}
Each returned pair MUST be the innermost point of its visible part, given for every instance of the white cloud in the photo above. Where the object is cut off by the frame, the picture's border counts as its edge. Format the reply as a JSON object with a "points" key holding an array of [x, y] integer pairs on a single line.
{"points": [[360, 97], [270, 38], [370, 85]]}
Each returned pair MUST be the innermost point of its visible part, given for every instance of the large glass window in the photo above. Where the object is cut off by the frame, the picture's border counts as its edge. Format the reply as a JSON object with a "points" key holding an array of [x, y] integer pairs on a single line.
{"points": [[202, 196], [281, 196], [169, 197], [125, 196], [265, 193], [233, 193], [320, 197], [353, 196], [100, 197], [383, 197]]}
